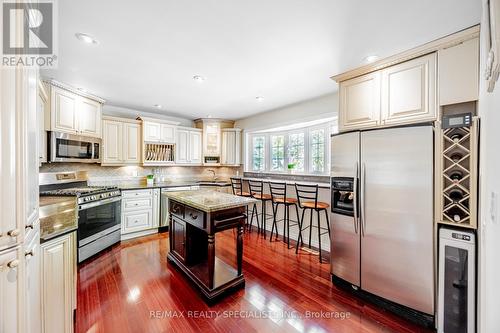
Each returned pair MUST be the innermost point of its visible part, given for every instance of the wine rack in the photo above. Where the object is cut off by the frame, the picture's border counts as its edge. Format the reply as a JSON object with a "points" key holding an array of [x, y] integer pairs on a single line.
{"points": [[458, 164], [159, 153]]}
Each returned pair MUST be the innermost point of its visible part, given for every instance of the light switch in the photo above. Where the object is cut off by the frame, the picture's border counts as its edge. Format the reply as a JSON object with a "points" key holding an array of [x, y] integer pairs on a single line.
{"points": [[494, 207]]}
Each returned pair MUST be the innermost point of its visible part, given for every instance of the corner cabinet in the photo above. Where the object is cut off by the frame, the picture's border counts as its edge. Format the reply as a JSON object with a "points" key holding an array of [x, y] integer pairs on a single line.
{"points": [[189, 146], [231, 147], [58, 262], [409, 91], [401, 94], [140, 212], [121, 141], [360, 102], [74, 113]]}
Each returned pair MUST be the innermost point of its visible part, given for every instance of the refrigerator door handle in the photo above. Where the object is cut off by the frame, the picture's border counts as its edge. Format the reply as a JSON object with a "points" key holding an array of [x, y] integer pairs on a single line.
{"points": [[362, 204], [355, 199]]}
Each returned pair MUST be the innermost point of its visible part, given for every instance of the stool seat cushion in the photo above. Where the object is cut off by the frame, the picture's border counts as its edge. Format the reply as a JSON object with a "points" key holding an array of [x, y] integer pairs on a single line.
{"points": [[243, 194], [261, 196], [320, 205], [285, 200]]}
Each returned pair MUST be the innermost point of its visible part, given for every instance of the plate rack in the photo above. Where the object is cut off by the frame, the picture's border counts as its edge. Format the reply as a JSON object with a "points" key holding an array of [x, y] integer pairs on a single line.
{"points": [[458, 164], [159, 153]]}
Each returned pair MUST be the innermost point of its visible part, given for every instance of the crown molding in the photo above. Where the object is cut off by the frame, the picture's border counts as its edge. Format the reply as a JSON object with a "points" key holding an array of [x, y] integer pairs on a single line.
{"points": [[73, 90], [433, 46]]}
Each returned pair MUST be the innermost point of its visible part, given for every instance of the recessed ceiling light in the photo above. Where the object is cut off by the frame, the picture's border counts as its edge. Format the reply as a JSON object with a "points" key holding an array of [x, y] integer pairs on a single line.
{"points": [[259, 98], [86, 38], [371, 58], [198, 78], [158, 106]]}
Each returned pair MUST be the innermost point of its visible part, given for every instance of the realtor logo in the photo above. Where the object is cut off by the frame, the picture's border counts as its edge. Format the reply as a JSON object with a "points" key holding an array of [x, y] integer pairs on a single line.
{"points": [[29, 33]]}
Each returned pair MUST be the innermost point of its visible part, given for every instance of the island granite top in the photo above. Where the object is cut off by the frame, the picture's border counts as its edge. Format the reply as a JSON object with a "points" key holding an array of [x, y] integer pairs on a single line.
{"points": [[209, 201]]}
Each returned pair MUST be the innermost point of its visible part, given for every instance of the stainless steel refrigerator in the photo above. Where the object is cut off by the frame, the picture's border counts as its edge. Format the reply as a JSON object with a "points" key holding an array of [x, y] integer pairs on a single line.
{"points": [[382, 213]]}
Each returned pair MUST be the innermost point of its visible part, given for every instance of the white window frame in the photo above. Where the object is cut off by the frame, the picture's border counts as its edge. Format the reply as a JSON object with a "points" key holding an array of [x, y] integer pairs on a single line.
{"points": [[307, 150]]}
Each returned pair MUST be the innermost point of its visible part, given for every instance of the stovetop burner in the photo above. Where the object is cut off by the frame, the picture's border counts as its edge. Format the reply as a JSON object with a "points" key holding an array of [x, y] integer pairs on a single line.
{"points": [[79, 191]]}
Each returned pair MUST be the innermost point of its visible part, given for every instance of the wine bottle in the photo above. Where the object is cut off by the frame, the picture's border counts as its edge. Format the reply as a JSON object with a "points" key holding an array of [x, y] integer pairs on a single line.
{"points": [[456, 194], [456, 176], [456, 157], [456, 137], [456, 214]]}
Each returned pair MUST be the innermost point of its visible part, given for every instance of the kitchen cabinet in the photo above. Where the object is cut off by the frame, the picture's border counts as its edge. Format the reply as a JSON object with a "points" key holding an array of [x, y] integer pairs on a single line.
{"points": [[156, 130], [140, 212], [121, 143], [458, 73], [74, 113], [42, 110], [360, 102], [212, 139], [58, 281], [188, 146], [11, 287], [231, 147], [32, 313], [409, 91], [179, 237], [401, 94]]}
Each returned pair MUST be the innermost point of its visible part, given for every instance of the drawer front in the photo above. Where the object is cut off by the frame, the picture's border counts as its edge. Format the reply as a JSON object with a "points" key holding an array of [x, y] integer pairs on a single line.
{"points": [[137, 193], [176, 209], [142, 203], [195, 217], [137, 221]]}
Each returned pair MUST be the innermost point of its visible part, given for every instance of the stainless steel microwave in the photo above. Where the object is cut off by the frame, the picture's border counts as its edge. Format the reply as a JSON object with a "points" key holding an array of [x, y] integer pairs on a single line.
{"points": [[73, 148]]}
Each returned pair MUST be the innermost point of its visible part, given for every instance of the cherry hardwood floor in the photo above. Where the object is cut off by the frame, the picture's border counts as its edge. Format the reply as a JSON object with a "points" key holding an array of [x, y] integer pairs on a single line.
{"points": [[132, 288]]}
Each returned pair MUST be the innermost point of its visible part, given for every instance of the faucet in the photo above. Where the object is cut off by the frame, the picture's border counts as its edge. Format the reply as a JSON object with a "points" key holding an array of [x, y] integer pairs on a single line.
{"points": [[214, 177]]}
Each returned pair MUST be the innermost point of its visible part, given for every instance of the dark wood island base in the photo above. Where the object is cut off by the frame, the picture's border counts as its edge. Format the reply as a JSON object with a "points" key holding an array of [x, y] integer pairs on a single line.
{"points": [[192, 243]]}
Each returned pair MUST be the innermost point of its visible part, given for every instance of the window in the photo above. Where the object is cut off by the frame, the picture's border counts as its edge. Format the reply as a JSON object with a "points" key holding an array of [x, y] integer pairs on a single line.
{"points": [[317, 151], [258, 153], [302, 151], [277, 153], [296, 151]]}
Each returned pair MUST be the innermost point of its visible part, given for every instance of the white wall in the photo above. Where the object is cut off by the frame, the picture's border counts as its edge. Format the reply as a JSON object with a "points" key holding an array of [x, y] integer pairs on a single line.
{"points": [[117, 111], [322, 107], [489, 251]]}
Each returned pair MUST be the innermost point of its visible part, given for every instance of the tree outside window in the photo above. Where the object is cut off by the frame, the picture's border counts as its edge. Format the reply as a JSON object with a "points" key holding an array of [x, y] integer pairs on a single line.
{"points": [[277, 152], [318, 150], [258, 153], [296, 151]]}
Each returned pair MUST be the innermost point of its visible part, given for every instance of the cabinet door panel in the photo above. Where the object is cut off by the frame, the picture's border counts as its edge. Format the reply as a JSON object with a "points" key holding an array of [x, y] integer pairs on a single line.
{"points": [[112, 142], [179, 237], [195, 147], [137, 221], [64, 118], [11, 272], [152, 131], [228, 147], [408, 91], [33, 288], [131, 140], [167, 133], [182, 146], [89, 117], [156, 208], [360, 102]]}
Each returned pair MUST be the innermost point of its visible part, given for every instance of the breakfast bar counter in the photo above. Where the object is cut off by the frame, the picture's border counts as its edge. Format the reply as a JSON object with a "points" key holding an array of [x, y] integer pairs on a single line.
{"points": [[195, 218]]}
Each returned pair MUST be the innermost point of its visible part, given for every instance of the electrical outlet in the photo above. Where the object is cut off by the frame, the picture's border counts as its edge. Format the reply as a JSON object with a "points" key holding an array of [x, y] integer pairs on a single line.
{"points": [[494, 207]]}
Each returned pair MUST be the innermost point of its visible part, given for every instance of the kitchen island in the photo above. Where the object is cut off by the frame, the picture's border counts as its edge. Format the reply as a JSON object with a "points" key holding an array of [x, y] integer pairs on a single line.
{"points": [[195, 218]]}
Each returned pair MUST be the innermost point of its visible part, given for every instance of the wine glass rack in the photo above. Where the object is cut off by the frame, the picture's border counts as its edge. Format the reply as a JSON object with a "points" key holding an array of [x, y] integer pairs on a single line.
{"points": [[158, 153], [458, 174]]}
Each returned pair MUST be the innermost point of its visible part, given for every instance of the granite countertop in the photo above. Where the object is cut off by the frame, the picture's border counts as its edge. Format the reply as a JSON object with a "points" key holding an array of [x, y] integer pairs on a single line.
{"points": [[209, 201], [289, 182], [58, 215], [169, 184]]}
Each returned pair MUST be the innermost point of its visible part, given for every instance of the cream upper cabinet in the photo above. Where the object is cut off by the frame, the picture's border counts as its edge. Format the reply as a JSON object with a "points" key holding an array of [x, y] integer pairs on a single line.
{"points": [[360, 102], [167, 133], [188, 146], [195, 147], [63, 111], [121, 141], [459, 73], [152, 131], [89, 117], [74, 114], [231, 147], [58, 266], [409, 91]]}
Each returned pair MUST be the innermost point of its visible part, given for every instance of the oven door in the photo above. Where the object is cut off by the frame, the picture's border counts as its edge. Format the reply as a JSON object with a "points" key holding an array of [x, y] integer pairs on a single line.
{"points": [[97, 219], [73, 148]]}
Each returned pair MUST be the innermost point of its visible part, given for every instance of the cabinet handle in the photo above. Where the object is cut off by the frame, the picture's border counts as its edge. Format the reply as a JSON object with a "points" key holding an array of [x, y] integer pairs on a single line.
{"points": [[13, 264], [13, 233], [136, 204], [29, 226], [30, 254], [194, 217]]}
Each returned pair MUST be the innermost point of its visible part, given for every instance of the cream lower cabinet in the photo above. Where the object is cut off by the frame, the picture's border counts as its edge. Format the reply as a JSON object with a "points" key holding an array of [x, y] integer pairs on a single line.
{"points": [[140, 212], [121, 141], [231, 147], [401, 94], [409, 91], [11, 290], [188, 146], [32, 261], [58, 276]]}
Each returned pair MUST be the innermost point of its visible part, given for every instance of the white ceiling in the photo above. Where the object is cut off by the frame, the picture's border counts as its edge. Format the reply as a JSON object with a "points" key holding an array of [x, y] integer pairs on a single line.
{"points": [[283, 50]]}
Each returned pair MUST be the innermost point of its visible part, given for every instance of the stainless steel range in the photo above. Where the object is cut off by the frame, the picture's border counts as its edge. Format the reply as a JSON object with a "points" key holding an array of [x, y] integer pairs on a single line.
{"points": [[99, 209]]}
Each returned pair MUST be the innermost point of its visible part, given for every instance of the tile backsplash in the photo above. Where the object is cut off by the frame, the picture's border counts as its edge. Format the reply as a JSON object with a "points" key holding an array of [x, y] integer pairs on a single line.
{"points": [[107, 175]]}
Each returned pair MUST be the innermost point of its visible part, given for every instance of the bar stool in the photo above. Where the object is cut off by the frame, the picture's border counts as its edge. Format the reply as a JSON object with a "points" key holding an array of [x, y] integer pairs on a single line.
{"points": [[307, 196], [237, 187], [256, 188], [279, 197]]}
